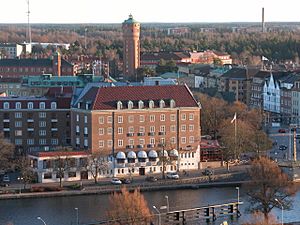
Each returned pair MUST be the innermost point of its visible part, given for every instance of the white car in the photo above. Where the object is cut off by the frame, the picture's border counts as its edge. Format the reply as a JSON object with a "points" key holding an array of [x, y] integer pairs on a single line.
{"points": [[172, 175], [115, 181]]}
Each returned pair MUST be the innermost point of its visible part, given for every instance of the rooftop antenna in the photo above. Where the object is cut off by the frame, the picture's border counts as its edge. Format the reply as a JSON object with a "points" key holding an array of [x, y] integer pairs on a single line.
{"points": [[28, 25]]}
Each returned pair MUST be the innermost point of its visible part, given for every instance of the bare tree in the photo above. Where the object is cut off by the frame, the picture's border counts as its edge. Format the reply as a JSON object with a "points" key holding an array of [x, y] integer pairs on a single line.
{"points": [[6, 154], [26, 173], [61, 166], [129, 208], [268, 186], [97, 162], [258, 218]]}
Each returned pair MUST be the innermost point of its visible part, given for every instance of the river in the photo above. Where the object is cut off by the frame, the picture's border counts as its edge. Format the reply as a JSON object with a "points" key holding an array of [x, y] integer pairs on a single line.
{"points": [[61, 210]]}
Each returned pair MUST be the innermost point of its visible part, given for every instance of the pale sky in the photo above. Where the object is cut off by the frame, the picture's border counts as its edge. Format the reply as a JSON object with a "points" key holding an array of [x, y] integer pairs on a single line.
{"points": [[116, 11]]}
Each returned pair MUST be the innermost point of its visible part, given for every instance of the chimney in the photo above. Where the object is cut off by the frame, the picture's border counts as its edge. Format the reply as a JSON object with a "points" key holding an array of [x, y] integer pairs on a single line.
{"points": [[263, 20], [57, 64]]}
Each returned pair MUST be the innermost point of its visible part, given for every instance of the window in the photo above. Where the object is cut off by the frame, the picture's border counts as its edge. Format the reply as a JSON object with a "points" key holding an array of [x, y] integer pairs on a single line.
{"points": [[120, 119], [18, 133], [120, 142], [183, 140], [77, 141], [130, 104], [152, 118], [85, 119], [162, 104], [191, 139], [173, 140], [191, 116], [30, 105], [77, 118], [18, 115], [131, 130], [120, 130], [131, 119], [85, 143], [141, 141], [141, 104], [101, 131], [101, 144], [151, 104], [42, 105], [42, 123], [191, 127], [183, 116], [47, 175], [109, 119], [142, 118], [183, 128], [53, 105], [101, 120], [42, 141], [85, 130], [152, 141], [131, 141], [162, 117], [18, 141], [18, 124], [6, 105], [42, 132], [42, 115], [173, 117], [30, 141], [71, 174], [152, 129], [109, 130], [77, 129], [109, 143], [162, 129], [18, 105], [119, 105], [172, 103], [173, 128]]}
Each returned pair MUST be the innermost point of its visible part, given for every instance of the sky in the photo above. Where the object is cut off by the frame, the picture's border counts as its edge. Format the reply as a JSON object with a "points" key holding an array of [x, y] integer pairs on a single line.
{"points": [[116, 11]]}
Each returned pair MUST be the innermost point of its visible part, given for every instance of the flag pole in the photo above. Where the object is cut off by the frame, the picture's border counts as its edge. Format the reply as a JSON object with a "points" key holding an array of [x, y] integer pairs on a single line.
{"points": [[235, 136]]}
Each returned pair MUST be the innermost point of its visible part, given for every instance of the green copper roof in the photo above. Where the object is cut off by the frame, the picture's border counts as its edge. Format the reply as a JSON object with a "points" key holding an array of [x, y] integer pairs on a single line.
{"points": [[130, 20]]}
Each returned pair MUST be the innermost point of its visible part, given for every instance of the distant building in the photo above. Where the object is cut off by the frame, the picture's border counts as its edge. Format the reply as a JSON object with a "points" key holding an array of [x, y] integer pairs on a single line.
{"points": [[178, 30], [271, 95], [24, 67], [131, 47], [10, 50], [151, 81]]}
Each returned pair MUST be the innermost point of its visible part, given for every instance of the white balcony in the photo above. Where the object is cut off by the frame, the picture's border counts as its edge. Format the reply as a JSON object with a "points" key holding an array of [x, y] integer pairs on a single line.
{"points": [[54, 129], [54, 120], [30, 129], [30, 120], [6, 129], [6, 120]]}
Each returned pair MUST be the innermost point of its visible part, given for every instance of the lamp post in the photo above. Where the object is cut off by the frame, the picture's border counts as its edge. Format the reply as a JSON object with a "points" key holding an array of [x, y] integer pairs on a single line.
{"points": [[238, 194], [168, 205], [20, 179], [159, 218], [281, 210], [40, 218], [77, 216]]}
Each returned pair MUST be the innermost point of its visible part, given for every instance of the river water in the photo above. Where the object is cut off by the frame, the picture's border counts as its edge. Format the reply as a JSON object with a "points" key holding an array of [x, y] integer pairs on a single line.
{"points": [[91, 208]]}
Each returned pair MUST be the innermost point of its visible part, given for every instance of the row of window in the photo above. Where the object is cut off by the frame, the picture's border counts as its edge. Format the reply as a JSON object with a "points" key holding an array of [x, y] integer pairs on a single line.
{"points": [[31, 141], [30, 105]]}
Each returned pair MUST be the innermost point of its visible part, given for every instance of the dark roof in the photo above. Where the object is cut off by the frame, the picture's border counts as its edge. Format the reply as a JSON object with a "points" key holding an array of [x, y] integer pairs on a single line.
{"points": [[10, 80], [106, 98], [239, 73], [30, 62], [164, 55]]}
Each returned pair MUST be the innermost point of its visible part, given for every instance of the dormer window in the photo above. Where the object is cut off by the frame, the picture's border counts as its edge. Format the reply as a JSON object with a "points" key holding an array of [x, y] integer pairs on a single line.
{"points": [[119, 105], [141, 104], [162, 104], [42, 105], [30, 105], [18, 105], [172, 103], [130, 104], [6, 105], [87, 105], [53, 105], [78, 105], [151, 104]]}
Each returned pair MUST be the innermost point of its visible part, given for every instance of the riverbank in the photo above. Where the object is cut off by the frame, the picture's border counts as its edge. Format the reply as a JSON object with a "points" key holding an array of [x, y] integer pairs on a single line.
{"points": [[222, 180]]}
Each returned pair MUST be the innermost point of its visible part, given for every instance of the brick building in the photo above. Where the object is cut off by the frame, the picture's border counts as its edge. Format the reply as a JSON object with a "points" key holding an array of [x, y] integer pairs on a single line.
{"points": [[135, 124], [37, 123]]}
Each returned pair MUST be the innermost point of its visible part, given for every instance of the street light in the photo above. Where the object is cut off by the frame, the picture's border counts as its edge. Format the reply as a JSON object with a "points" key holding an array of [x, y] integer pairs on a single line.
{"points": [[168, 205], [159, 218], [20, 187], [40, 218], [238, 194], [77, 216], [281, 210]]}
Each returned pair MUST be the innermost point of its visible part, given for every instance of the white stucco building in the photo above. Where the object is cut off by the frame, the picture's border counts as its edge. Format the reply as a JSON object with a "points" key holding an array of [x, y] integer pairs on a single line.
{"points": [[271, 95]]}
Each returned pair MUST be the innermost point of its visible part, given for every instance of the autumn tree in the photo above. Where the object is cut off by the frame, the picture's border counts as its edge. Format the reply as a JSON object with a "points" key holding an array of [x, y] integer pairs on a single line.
{"points": [[6, 154], [128, 208], [268, 185]]}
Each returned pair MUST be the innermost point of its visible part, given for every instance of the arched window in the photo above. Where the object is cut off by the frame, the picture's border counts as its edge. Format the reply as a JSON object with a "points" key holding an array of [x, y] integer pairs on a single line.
{"points": [[42, 105], [53, 105], [119, 105], [18, 105], [141, 104], [172, 103], [30, 105], [6, 105], [130, 104], [151, 104], [162, 104]]}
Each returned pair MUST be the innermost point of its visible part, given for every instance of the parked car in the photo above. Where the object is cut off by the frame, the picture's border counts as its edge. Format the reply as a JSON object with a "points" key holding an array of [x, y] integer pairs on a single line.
{"points": [[116, 181], [208, 172], [151, 178], [281, 131], [172, 175], [125, 181], [282, 147]]}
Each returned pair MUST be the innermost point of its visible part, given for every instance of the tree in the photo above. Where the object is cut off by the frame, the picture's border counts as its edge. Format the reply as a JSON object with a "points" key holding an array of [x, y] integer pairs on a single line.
{"points": [[6, 154], [26, 173], [268, 183], [259, 219], [97, 162], [129, 208]]}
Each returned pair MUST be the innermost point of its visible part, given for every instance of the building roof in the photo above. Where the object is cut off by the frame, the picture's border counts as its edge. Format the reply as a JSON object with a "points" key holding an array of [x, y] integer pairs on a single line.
{"points": [[157, 56], [106, 98], [10, 79], [30, 63], [59, 154], [130, 20], [239, 73]]}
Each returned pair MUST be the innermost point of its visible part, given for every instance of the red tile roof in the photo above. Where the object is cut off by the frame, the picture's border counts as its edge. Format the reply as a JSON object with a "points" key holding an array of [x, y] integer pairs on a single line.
{"points": [[106, 98], [59, 154], [205, 144]]}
